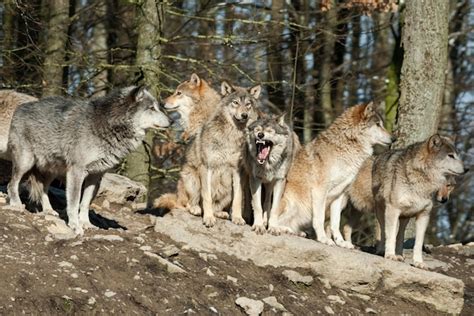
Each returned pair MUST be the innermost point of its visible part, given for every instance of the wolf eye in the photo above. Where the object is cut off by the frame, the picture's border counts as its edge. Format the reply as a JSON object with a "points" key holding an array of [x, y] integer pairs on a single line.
{"points": [[235, 102], [248, 105], [178, 92], [451, 156]]}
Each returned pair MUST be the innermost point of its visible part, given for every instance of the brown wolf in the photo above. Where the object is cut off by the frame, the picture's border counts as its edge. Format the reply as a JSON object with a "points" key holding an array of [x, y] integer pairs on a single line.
{"points": [[217, 152], [271, 148], [9, 101], [403, 185], [324, 168]]}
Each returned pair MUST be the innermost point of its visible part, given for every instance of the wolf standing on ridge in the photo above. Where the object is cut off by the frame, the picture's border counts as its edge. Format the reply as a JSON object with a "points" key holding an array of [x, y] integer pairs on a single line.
{"points": [[80, 139], [403, 184], [324, 168], [271, 148]]}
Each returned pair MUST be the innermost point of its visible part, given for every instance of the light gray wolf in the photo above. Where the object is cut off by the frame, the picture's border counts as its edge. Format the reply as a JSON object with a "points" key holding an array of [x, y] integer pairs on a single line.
{"points": [[271, 148], [78, 139], [322, 171], [361, 200], [195, 101], [217, 154], [9, 101], [403, 183]]}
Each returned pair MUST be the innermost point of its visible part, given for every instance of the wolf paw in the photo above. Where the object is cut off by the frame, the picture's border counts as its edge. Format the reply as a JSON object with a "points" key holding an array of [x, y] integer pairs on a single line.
{"points": [[420, 265], [15, 207], [222, 215], [209, 221], [278, 230], [88, 225], [238, 220], [326, 241], [195, 210], [394, 257], [259, 229], [77, 229], [50, 212], [344, 244]]}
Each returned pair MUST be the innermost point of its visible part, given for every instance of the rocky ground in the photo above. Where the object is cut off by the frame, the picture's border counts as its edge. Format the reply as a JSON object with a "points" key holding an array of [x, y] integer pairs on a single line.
{"points": [[136, 264]]}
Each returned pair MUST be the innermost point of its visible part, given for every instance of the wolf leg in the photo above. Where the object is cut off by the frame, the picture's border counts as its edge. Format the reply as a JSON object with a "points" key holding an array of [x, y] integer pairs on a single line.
{"points": [[45, 203], [391, 229], [422, 221], [74, 179], [379, 230], [22, 162], [401, 238], [353, 220], [267, 202], [91, 186], [256, 190], [318, 203], [277, 188], [237, 199], [335, 220], [206, 179]]}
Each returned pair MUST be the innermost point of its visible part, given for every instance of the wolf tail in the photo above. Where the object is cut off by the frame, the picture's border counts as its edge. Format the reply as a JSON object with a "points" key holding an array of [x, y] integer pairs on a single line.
{"points": [[167, 201], [36, 187]]}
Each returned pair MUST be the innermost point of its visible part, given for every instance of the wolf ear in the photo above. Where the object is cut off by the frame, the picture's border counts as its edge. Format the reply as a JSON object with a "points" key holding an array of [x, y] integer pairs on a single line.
{"points": [[255, 91], [369, 109], [138, 93], [435, 142], [195, 80], [281, 118], [226, 88]]}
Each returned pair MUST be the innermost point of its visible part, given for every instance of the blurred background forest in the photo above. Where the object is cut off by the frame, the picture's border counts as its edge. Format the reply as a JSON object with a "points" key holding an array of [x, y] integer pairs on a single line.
{"points": [[314, 58]]}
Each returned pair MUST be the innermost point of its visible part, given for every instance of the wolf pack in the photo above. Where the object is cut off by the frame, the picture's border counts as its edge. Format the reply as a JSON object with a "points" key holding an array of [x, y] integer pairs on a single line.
{"points": [[241, 163]]}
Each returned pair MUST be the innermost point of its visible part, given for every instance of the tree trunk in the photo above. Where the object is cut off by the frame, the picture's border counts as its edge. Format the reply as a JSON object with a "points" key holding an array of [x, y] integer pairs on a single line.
{"points": [[8, 41], [425, 41], [98, 49], [58, 25], [150, 30]]}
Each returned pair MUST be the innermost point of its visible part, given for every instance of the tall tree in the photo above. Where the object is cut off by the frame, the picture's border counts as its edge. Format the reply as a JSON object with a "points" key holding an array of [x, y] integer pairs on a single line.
{"points": [[55, 46], [150, 32], [425, 40]]}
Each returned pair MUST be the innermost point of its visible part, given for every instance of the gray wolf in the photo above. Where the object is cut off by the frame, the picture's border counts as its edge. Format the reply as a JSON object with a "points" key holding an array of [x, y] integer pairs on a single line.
{"points": [[271, 148], [403, 183], [324, 168], [361, 200], [9, 101], [78, 139], [195, 101]]}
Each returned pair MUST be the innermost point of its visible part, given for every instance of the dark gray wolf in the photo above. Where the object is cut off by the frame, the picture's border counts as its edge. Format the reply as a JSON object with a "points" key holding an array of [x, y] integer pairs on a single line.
{"points": [[79, 139], [323, 170], [271, 148], [403, 183]]}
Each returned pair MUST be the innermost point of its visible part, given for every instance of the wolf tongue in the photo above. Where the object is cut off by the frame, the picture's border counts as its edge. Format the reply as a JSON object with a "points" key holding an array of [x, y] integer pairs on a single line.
{"points": [[263, 154]]}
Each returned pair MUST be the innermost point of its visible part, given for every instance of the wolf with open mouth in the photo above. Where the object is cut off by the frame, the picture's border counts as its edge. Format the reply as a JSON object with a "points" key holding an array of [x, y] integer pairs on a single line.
{"points": [[271, 146]]}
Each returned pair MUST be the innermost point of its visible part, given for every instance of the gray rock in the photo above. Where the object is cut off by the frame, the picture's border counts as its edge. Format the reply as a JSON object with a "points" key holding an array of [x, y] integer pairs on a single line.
{"points": [[250, 306], [119, 189], [295, 277], [169, 251], [336, 299], [170, 267], [369, 310], [272, 301], [329, 310], [351, 270], [106, 237]]}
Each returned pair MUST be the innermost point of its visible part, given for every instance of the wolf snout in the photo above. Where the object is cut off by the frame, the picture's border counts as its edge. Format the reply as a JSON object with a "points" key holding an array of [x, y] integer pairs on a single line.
{"points": [[393, 138], [466, 170], [244, 116], [260, 135]]}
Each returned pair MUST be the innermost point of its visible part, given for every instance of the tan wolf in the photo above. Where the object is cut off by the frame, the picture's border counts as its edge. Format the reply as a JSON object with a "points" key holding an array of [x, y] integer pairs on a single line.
{"points": [[218, 149], [271, 148], [9, 101], [403, 185], [195, 100], [324, 168]]}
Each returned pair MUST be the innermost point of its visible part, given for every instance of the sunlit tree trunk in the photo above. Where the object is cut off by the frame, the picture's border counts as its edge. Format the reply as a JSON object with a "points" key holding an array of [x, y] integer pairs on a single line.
{"points": [[55, 47], [98, 48]]}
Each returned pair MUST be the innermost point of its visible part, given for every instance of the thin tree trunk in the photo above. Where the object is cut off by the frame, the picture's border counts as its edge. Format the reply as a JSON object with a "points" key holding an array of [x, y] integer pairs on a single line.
{"points": [[8, 41], [55, 47], [150, 30], [98, 48]]}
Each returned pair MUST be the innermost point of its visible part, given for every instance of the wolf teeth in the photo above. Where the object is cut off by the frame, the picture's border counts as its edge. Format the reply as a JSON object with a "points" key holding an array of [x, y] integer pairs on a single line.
{"points": [[258, 141]]}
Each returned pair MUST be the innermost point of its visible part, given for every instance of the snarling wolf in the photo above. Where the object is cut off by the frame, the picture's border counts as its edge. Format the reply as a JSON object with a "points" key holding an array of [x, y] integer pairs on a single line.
{"points": [[9, 101], [403, 185], [271, 148], [195, 101], [79, 139], [324, 168]]}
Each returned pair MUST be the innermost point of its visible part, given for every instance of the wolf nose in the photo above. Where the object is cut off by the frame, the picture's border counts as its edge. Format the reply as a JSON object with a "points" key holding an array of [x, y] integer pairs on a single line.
{"points": [[444, 200], [466, 170], [260, 135], [244, 116], [393, 138]]}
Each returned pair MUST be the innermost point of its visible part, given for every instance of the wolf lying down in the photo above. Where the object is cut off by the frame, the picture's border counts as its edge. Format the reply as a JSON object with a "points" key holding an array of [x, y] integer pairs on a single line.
{"points": [[80, 139]]}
